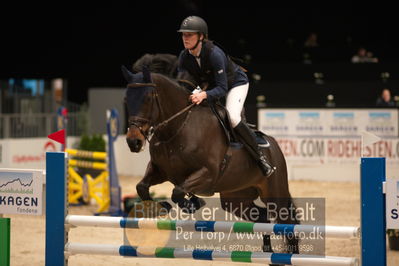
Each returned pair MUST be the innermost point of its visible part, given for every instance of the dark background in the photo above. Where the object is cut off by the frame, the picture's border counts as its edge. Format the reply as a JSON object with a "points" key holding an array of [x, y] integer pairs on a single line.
{"points": [[88, 44]]}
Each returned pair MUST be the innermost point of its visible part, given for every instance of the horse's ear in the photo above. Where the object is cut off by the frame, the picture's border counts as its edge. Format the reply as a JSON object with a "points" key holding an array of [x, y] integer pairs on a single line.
{"points": [[127, 74], [146, 74]]}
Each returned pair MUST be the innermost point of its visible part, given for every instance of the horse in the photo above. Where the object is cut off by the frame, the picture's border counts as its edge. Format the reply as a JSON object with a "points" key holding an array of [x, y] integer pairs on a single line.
{"points": [[189, 148]]}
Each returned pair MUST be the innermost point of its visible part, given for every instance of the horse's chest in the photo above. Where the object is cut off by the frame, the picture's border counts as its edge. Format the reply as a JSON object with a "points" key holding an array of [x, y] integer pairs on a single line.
{"points": [[169, 159]]}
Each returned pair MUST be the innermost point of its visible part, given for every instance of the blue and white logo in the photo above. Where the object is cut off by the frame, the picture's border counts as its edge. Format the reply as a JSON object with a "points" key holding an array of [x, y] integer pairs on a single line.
{"points": [[13, 182]]}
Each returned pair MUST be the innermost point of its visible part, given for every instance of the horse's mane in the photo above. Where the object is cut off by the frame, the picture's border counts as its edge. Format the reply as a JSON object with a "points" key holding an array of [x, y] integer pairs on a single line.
{"points": [[158, 76], [165, 64], [162, 66]]}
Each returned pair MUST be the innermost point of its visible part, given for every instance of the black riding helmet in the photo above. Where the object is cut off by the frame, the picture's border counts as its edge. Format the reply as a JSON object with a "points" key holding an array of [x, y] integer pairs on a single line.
{"points": [[194, 24]]}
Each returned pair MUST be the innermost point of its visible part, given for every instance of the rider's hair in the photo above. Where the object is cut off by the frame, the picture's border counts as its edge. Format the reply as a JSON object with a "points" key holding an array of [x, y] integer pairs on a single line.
{"points": [[203, 34]]}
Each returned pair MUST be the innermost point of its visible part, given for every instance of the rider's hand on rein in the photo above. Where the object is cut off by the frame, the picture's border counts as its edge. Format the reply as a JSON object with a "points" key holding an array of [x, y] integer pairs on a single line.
{"points": [[198, 97]]}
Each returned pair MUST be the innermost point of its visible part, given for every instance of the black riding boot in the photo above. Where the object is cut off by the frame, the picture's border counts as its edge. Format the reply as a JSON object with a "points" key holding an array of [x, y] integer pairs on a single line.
{"points": [[250, 143]]}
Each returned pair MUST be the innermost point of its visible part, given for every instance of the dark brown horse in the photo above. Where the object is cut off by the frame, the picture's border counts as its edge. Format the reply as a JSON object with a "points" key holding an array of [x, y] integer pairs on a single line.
{"points": [[189, 150]]}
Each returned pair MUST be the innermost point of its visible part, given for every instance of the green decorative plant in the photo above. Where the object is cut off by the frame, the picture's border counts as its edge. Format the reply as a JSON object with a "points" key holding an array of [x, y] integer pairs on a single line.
{"points": [[94, 142]]}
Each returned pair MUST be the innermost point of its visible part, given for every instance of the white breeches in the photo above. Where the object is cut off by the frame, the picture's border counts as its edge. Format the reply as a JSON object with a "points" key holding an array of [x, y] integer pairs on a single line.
{"points": [[235, 100]]}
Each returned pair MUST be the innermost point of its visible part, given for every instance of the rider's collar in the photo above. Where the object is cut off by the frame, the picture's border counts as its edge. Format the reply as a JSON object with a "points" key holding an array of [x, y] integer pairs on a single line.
{"points": [[199, 52]]}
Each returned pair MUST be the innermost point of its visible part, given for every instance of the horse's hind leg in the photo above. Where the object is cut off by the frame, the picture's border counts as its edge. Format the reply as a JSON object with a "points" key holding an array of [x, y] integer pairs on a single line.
{"points": [[241, 204], [292, 240], [275, 203]]}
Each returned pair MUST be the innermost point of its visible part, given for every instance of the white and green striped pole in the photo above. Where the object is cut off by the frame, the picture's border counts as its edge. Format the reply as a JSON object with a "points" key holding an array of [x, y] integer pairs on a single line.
{"points": [[203, 254], [213, 226]]}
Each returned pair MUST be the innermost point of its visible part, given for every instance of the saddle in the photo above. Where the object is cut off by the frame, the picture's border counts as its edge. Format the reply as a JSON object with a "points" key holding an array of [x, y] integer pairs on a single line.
{"points": [[233, 140]]}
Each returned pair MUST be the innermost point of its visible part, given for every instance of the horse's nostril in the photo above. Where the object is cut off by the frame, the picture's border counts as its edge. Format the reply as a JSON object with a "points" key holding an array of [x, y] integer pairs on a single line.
{"points": [[134, 144], [137, 143], [129, 142]]}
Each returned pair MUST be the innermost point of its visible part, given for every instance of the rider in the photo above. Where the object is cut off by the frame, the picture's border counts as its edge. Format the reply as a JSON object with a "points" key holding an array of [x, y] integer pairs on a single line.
{"points": [[206, 62]]}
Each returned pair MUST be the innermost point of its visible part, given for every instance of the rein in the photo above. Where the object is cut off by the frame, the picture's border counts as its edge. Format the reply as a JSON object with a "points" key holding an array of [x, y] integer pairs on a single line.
{"points": [[164, 123], [139, 85], [187, 82], [192, 84]]}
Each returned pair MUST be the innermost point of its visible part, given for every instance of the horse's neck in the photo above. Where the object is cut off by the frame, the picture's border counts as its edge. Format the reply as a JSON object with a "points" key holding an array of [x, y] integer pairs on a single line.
{"points": [[172, 99]]}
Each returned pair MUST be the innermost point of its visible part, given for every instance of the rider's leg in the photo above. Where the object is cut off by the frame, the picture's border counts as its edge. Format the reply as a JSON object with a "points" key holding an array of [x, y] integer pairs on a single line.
{"points": [[234, 103], [235, 100], [249, 138]]}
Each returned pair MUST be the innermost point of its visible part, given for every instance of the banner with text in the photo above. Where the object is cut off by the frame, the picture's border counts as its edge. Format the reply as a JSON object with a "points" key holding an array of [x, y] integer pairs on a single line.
{"points": [[21, 191], [329, 150], [326, 144], [392, 203], [325, 122]]}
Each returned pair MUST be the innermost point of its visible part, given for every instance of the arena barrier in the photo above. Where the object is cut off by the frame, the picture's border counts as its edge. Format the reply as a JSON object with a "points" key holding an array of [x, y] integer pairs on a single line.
{"points": [[104, 188], [58, 222]]}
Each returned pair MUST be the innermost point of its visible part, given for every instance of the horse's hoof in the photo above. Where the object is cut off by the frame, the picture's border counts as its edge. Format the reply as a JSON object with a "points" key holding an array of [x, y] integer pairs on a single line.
{"points": [[166, 205], [267, 248], [187, 206], [198, 202]]}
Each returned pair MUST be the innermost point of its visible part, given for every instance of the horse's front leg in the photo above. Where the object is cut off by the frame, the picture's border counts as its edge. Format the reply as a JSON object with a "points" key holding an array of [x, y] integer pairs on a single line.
{"points": [[151, 177]]}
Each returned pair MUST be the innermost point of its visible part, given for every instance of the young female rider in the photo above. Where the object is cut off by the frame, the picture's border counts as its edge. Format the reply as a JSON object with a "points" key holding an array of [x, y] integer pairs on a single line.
{"points": [[206, 62]]}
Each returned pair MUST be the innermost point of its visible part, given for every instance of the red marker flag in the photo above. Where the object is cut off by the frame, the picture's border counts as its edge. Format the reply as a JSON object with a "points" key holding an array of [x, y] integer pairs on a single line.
{"points": [[64, 112], [58, 136]]}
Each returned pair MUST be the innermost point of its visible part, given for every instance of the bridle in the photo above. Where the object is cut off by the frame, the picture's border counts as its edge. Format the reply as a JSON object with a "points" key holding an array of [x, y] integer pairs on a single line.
{"points": [[138, 122]]}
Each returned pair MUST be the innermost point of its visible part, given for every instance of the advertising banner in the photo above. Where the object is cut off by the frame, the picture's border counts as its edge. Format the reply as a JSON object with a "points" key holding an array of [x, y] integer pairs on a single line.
{"points": [[392, 203], [21, 191], [324, 122], [326, 144], [327, 150]]}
